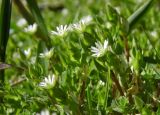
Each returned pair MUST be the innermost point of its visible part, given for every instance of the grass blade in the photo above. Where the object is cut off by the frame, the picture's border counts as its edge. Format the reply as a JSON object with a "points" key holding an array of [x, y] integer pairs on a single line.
{"points": [[107, 88], [4, 30], [38, 17], [30, 19], [23, 11], [139, 13], [42, 61]]}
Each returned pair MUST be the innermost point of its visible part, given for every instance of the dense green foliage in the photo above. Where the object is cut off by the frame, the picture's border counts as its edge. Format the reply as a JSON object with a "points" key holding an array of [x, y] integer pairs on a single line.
{"points": [[80, 57]]}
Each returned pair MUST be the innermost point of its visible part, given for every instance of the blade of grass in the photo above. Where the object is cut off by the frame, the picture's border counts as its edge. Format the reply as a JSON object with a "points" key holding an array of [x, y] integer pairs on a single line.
{"points": [[24, 11], [42, 61], [33, 7], [4, 31], [107, 88], [139, 13], [29, 18]]}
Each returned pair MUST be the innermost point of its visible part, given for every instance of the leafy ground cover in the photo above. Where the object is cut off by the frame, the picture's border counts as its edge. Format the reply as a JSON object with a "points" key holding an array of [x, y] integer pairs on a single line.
{"points": [[79, 57]]}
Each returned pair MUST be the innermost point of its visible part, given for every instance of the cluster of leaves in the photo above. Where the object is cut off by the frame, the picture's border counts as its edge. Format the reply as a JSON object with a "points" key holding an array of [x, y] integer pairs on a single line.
{"points": [[124, 79]]}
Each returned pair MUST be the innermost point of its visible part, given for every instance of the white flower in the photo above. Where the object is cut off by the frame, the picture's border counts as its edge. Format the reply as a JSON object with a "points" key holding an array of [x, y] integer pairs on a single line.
{"points": [[86, 20], [31, 28], [78, 26], [60, 30], [108, 25], [154, 34], [65, 11], [82, 23], [33, 60], [44, 112], [100, 49], [48, 82], [21, 22], [101, 83], [27, 52], [47, 54]]}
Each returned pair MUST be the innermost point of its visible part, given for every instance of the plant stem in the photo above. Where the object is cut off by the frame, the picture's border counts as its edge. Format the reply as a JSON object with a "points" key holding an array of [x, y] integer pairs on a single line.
{"points": [[117, 83], [82, 95], [82, 91], [126, 48], [107, 87]]}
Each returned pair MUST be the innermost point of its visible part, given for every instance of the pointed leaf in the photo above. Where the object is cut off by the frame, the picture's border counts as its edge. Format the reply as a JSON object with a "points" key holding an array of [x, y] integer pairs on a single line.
{"points": [[139, 13], [38, 17]]}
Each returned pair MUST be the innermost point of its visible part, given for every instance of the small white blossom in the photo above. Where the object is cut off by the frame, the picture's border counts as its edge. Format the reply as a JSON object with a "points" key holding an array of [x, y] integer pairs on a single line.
{"points": [[154, 34], [82, 23], [78, 26], [21, 22], [86, 20], [101, 83], [60, 30], [100, 49], [31, 28], [27, 52], [48, 82], [108, 25], [65, 11], [44, 112], [47, 54], [33, 60]]}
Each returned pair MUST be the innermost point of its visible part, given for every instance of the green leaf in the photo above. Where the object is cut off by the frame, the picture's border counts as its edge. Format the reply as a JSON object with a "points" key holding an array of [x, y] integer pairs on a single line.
{"points": [[138, 103], [146, 110], [42, 61], [151, 59], [112, 14], [4, 30], [120, 105], [139, 13], [99, 65], [89, 38], [38, 17], [158, 111]]}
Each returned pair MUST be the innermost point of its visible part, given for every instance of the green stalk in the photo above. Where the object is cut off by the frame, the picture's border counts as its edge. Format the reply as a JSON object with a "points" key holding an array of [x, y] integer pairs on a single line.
{"points": [[23, 11], [89, 100], [107, 88], [33, 7], [139, 13], [31, 20], [5, 18]]}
